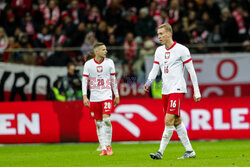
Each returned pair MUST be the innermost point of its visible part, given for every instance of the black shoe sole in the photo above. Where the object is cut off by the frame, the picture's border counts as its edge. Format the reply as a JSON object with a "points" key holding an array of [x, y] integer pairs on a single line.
{"points": [[154, 157]]}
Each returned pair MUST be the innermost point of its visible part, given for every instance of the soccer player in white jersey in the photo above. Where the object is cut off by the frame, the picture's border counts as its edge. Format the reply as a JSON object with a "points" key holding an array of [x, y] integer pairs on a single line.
{"points": [[99, 73], [171, 58]]}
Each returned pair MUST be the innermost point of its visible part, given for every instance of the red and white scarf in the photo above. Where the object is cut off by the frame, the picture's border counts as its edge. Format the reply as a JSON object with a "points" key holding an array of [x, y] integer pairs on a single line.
{"points": [[240, 22]]}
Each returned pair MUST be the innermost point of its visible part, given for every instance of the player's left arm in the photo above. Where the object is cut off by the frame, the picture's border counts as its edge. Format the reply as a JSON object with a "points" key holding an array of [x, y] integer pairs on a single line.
{"points": [[187, 60], [114, 84], [190, 68]]}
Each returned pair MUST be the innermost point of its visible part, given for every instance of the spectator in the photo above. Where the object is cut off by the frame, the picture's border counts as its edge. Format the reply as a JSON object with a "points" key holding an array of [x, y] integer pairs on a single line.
{"points": [[125, 25], [59, 38], [13, 57], [37, 15], [174, 12], [28, 25], [79, 35], [162, 18], [213, 10], [102, 32], [200, 35], [228, 35], [3, 42], [238, 15], [153, 9], [28, 56], [207, 22], [114, 54], [112, 40], [68, 26], [42, 5], [3, 5], [189, 23], [113, 13], [21, 7], [161, 4], [179, 34], [130, 47], [215, 38], [133, 14], [146, 25], [89, 42], [130, 50], [51, 13], [75, 13], [43, 39], [18, 33], [94, 18], [11, 24], [72, 83], [59, 94], [138, 66], [190, 5], [100, 4]]}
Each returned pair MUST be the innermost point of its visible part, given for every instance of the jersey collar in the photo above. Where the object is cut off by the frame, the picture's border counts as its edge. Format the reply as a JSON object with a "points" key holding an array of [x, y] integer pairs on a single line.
{"points": [[171, 46], [97, 61]]}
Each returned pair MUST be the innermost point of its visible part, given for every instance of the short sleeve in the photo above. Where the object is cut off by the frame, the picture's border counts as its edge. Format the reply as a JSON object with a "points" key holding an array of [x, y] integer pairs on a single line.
{"points": [[112, 70], [85, 70], [156, 57], [185, 56]]}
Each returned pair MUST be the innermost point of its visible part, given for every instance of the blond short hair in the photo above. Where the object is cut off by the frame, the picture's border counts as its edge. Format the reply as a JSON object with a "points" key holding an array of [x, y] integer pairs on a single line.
{"points": [[167, 27]]}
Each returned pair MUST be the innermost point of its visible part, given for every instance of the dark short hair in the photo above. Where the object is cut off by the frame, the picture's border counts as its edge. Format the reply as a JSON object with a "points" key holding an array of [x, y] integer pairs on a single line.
{"points": [[70, 64], [98, 44]]}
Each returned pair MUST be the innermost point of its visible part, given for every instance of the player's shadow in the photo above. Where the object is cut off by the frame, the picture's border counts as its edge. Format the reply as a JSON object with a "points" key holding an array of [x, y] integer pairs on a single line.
{"points": [[69, 116]]}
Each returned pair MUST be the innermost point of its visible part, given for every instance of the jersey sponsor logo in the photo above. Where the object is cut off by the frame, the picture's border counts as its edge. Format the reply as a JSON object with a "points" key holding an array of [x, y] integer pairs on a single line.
{"points": [[124, 113], [172, 109], [99, 68], [167, 55]]}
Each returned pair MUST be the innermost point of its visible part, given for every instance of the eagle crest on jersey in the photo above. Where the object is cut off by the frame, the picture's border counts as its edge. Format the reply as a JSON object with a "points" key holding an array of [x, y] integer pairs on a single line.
{"points": [[99, 68], [167, 55]]}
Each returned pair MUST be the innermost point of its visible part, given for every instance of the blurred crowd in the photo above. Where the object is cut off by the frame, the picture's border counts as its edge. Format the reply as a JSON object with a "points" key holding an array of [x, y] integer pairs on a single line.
{"points": [[128, 24]]}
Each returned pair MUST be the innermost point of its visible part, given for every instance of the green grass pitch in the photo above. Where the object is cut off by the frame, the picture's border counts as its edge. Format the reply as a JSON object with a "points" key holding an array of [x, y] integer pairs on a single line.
{"points": [[234, 153]]}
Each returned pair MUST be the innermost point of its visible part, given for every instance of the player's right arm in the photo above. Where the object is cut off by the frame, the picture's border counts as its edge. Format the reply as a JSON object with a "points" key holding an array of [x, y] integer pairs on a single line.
{"points": [[153, 73], [85, 76]]}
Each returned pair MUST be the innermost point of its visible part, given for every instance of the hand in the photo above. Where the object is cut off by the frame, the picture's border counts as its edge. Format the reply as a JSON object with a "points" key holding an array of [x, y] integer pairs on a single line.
{"points": [[86, 101], [197, 97], [146, 90], [116, 101]]}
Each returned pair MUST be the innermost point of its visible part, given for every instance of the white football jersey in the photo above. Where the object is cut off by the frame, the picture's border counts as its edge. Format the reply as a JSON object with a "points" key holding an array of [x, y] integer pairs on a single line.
{"points": [[99, 80], [171, 62]]}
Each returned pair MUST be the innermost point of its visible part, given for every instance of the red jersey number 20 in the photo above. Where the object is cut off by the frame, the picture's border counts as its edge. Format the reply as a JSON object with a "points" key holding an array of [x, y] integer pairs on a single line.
{"points": [[100, 82]]}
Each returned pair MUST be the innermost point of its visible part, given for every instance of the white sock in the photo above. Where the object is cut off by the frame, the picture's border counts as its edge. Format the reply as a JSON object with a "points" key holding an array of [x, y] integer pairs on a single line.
{"points": [[97, 131], [166, 136], [108, 131], [182, 133], [101, 134]]}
